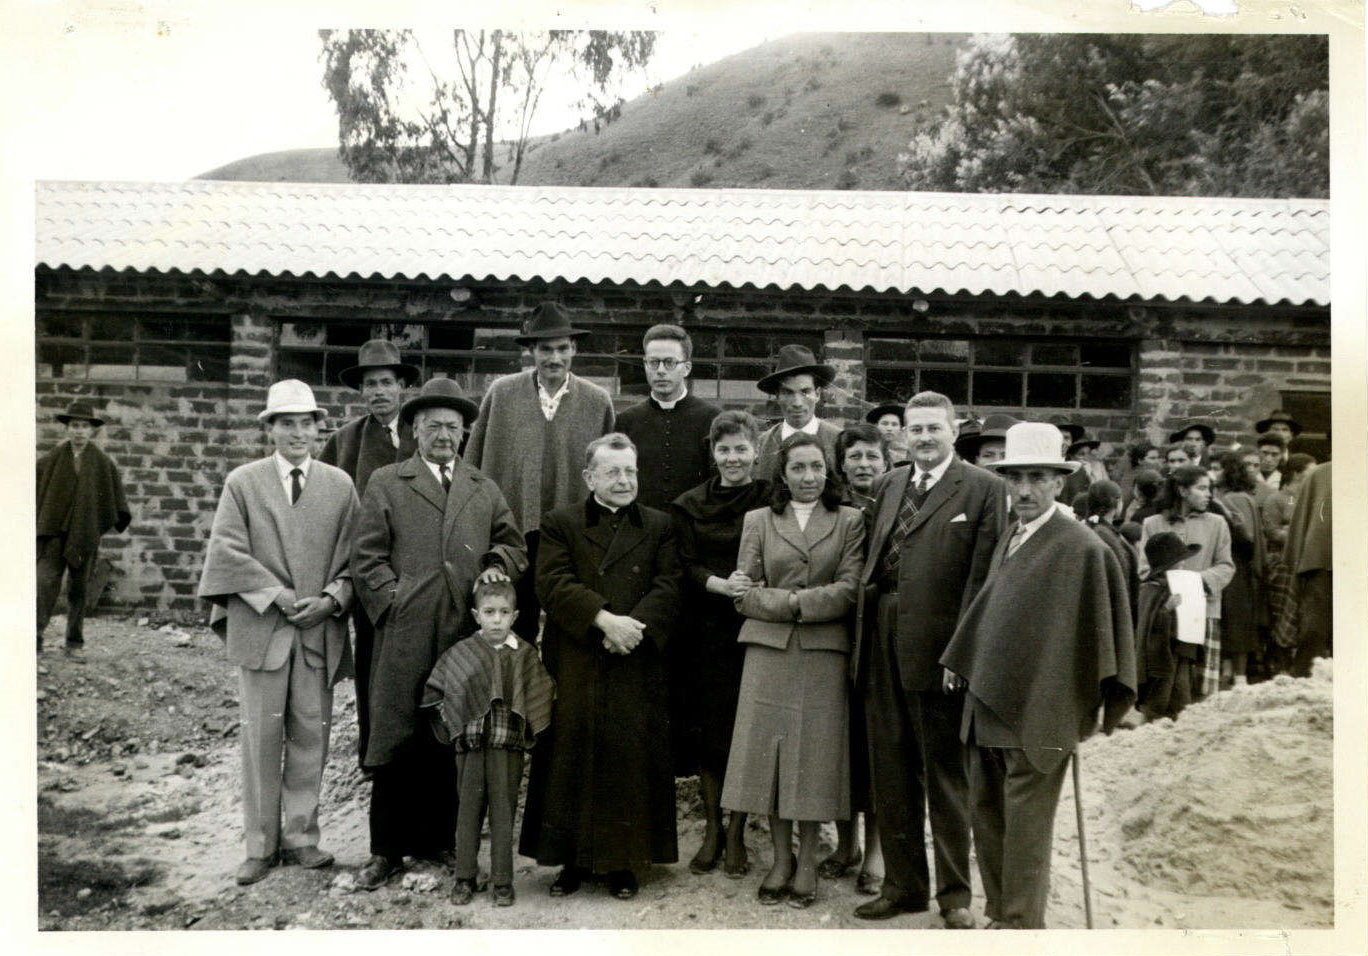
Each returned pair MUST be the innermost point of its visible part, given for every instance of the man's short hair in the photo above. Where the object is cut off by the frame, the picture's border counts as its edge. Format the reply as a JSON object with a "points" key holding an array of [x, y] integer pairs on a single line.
{"points": [[484, 590], [674, 333], [933, 400], [1268, 438], [614, 440]]}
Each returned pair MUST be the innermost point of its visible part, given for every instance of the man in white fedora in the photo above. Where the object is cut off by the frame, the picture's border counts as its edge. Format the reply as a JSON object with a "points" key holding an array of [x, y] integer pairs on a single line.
{"points": [[1044, 646], [277, 572]]}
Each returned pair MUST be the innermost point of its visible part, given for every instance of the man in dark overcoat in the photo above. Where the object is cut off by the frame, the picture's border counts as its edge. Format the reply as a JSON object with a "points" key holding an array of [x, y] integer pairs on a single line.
{"points": [[936, 522], [430, 526], [359, 447], [80, 497], [601, 797], [1045, 646]]}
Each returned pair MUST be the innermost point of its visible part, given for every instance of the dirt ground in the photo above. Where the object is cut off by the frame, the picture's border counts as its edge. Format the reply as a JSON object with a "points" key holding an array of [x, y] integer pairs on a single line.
{"points": [[139, 822]]}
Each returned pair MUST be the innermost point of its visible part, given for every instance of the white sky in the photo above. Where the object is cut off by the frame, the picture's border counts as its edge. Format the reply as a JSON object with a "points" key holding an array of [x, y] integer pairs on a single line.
{"points": [[178, 99]]}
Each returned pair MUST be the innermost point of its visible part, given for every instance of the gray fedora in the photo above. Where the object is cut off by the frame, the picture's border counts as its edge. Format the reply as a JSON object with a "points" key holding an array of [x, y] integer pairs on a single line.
{"points": [[440, 393], [549, 320], [378, 353]]}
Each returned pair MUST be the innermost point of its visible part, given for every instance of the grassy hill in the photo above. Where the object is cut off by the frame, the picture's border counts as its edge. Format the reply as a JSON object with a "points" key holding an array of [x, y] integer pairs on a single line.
{"points": [[809, 111]]}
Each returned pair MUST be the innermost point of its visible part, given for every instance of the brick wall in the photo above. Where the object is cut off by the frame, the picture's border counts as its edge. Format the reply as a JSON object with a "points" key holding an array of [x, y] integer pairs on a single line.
{"points": [[176, 443]]}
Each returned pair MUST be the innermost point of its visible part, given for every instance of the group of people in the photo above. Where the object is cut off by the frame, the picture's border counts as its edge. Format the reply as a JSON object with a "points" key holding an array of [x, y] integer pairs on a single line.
{"points": [[901, 618]]}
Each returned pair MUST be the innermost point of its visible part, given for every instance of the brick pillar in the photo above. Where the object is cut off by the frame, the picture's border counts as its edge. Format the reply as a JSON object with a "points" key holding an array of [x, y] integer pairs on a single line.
{"points": [[249, 376], [844, 403]]}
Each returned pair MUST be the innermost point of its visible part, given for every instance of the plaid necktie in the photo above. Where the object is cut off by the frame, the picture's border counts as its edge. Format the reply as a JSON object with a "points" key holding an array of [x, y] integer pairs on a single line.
{"points": [[446, 478], [296, 484], [907, 513]]}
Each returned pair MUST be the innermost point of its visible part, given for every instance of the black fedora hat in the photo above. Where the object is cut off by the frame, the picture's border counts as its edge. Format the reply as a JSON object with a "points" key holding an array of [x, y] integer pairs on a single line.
{"points": [[879, 411], [1208, 435], [796, 360], [549, 320], [1074, 432], [1262, 425], [1083, 443], [1166, 549], [378, 353], [440, 393], [80, 411], [992, 427]]}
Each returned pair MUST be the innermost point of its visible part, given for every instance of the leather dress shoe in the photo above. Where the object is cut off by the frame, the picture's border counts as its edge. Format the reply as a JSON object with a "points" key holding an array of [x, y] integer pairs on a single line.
{"points": [[567, 881], [502, 894], [443, 858], [772, 897], [885, 908], [622, 884], [958, 918], [309, 857], [377, 871], [463, 892], [253, 869]]}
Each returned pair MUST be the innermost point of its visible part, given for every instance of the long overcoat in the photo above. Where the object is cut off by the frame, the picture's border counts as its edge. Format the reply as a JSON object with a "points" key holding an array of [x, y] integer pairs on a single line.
{"points": [[601, 793], [415, 558]]}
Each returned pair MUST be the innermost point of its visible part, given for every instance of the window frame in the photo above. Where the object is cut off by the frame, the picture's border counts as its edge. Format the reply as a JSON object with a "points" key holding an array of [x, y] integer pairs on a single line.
{"points": [[137, 340]]}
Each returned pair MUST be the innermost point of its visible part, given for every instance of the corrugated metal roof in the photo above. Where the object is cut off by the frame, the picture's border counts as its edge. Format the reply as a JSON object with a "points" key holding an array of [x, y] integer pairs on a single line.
{"points": [[1223, 250]]}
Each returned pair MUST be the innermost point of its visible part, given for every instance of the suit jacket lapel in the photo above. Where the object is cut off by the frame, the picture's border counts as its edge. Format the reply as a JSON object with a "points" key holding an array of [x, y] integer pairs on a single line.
{"points": [[628, 536], [821, 524], [787, 527], [939, 494], [462, 488], [422, 481], [889, 503]]}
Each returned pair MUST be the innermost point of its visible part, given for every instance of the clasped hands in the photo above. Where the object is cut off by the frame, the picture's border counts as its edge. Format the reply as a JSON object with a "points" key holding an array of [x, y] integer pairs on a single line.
{"points": [[305, 613], [733, 586], [621, 632]]}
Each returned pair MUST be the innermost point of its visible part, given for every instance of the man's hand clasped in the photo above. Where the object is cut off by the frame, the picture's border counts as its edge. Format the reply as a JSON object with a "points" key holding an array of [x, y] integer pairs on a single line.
{"points": [[621, 633]]}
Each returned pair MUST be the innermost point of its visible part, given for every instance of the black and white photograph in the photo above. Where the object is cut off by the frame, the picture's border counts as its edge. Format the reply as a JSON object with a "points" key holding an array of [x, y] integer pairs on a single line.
{"points": [[689, 471]]}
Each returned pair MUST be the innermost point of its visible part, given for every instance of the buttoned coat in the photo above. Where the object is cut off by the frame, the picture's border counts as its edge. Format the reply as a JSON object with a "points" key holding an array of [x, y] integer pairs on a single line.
{"points": [[820, 564], [415, 558], [945, 559]]}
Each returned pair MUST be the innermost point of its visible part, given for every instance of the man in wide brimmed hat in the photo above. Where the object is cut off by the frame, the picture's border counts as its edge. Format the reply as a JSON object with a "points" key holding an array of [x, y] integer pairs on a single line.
{"points": [[430, 527], [983, 444], [359, 447], [80, 497], [1197, 438], [796, 385], [532, 432], [1279, 423], [888, 419], [277, 573], [1045, 644]]}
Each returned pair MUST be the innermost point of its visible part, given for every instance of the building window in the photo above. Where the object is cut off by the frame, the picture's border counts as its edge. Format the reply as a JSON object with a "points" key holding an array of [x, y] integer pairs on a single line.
{"points": [[1003, 373], [99, 347], [1312, 412], [726, 364]]}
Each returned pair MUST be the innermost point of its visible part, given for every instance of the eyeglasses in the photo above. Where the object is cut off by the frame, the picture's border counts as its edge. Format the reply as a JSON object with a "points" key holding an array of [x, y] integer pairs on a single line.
{"points": [[668, 364]]}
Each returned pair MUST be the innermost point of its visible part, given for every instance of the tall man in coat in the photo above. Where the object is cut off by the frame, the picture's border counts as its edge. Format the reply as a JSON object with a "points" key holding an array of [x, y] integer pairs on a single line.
{"points": [[531, 434], [430, 527], [601, 797], [1044, 646], [358, 448], [796, 385], [80, 497], [936, 522], [276, 571]]}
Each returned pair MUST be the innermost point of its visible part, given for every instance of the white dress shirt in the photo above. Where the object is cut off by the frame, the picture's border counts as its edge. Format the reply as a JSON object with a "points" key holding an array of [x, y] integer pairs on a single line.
{"points": [[436, 469], [549, 402], [936, 473], [1031, 527], [785, 429], [283, 468]]}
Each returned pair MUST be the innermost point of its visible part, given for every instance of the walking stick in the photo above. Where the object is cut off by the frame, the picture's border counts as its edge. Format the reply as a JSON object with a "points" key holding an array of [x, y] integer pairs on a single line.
{"points": [[1082, 841]]}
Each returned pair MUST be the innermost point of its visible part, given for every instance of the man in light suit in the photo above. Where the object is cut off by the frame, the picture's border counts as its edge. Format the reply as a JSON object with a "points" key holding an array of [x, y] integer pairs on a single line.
{"points": [[936, 523], [429, 528], [276, 570], [796, 385]]}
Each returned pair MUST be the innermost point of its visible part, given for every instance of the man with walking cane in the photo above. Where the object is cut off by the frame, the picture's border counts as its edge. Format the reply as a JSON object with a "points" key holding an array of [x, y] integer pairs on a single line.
{"points": [[1045, 645]]}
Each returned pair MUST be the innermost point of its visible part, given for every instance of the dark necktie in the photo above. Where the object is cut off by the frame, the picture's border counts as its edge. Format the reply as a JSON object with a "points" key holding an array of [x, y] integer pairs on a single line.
{"points": [[296, 484], [1018, 536], [446, 479], [923, 486], [907, 512]]}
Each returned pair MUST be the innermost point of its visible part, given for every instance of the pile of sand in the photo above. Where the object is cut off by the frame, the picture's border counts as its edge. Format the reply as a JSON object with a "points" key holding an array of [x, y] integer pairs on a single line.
{"points": [[1235, 798]]}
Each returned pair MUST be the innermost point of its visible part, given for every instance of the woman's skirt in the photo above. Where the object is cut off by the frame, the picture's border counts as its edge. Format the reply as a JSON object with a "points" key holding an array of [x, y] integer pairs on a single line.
{"points": [[790, 744]]}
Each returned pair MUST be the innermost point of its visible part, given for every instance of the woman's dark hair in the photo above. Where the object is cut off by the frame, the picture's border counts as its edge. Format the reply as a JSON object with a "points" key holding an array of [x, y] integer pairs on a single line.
{"points": [[732, 422], [852, 435], [780, 496], [1148, 483], [1139, 450], [1182, 478], [1102, 498], [1234, 477]]}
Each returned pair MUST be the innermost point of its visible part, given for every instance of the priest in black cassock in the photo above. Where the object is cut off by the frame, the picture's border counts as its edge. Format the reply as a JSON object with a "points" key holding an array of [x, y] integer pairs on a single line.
{"points": [[362, 445], [601, 798]]}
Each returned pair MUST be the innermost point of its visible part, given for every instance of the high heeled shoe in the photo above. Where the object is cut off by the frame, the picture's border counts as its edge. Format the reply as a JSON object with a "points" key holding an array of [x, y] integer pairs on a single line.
{"points": [[772, 897]]}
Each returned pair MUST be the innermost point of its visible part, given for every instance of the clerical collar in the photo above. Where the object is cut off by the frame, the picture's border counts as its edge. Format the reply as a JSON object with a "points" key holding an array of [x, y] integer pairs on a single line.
{"points": [[595, 510], [283, 466], [785, 429], [669, 406]]}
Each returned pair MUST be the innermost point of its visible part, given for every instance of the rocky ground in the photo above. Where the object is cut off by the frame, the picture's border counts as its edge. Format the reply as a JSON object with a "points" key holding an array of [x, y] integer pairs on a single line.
{"points": [[1187, 825]]}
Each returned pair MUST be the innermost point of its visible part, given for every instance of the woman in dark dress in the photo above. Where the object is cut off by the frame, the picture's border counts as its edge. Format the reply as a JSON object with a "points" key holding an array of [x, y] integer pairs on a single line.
{"points": [[1243, 608], [708, 527]]}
